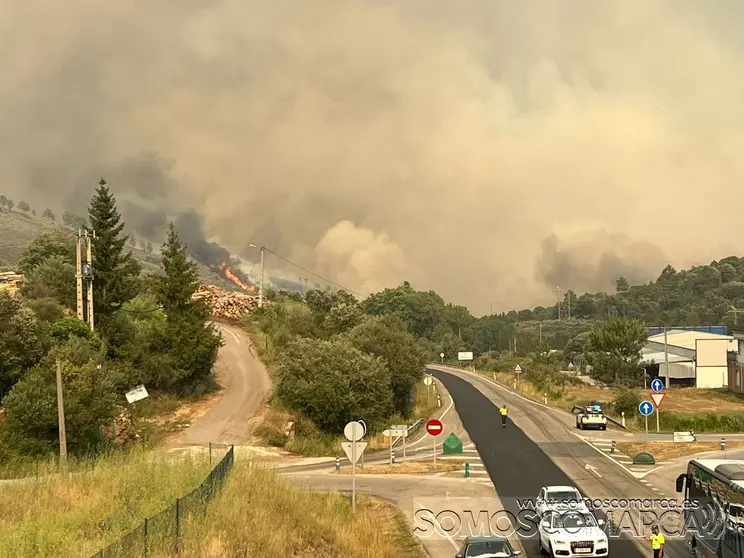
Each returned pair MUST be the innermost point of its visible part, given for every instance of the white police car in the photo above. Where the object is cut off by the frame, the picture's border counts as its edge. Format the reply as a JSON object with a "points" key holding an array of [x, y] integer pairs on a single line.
{"points": [[591, 417], [572, 533]]}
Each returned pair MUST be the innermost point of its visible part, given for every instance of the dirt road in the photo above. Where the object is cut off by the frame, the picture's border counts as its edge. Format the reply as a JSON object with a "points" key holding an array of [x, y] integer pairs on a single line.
{"points": [[246, 385]]}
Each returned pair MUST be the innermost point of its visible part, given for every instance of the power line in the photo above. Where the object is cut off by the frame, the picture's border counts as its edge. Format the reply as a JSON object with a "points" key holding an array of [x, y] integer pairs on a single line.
{"points": [[312, 273]]}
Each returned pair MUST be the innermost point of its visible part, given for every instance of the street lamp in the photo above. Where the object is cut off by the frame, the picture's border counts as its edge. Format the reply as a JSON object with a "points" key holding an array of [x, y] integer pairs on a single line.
{"points": [[261, 281]]}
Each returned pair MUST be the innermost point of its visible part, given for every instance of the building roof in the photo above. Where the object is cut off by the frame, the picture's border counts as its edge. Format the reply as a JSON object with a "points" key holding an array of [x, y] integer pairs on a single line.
{"points": [[686, 339], [658, 356]]}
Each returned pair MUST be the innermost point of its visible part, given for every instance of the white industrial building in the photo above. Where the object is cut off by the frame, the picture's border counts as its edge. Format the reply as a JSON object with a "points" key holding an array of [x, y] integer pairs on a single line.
{"points": [[696, 358]]}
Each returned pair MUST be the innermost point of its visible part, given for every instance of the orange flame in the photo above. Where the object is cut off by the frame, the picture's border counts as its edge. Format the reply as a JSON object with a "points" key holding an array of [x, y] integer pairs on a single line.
{"points": [[234, 278]]}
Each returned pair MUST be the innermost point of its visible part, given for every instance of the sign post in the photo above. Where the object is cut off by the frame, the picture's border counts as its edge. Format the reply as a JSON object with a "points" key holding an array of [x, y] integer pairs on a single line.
{"points": [[517, 371], [441, 355], [657, 397], [353, 449], [435, 428], [646, 408], [427, 382], [399, 430]]}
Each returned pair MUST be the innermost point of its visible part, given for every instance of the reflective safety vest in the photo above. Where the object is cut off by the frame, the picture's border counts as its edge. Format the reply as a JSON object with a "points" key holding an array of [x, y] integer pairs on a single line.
{"points": [[503, 411], [657, 541]]}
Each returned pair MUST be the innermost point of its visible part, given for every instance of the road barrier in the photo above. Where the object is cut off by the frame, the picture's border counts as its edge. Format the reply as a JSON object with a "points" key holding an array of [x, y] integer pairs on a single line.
{"points": [[162, 533]]}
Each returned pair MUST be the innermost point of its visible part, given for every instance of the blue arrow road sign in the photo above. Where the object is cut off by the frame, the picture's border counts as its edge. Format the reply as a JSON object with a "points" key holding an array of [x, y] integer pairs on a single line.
{"points": [[657, 385], [646, 408]]}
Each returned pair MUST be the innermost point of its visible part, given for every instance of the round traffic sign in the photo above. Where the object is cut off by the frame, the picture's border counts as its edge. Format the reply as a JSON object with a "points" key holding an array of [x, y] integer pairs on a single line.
{"points": [[353, 431], [657, 385], [364, 428], [434, 427], [428, 381], [646, 408]]}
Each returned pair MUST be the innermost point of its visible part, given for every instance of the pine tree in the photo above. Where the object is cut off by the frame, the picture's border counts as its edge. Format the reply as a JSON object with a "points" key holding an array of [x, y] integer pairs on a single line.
{"points": [[115, 270], [192, 342], [181, 276]]}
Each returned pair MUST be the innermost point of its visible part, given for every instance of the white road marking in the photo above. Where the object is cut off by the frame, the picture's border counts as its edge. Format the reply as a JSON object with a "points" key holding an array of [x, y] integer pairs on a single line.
{"points": [[425, 437], [439, 526]]}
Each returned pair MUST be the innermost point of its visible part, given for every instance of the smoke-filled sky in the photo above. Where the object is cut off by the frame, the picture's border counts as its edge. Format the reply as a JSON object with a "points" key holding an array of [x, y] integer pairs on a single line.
{"points": [[489, 150]]}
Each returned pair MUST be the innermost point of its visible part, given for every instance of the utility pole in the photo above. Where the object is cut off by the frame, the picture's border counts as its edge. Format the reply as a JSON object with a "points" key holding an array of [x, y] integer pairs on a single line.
{"points": [[261, 281], [61, 415], [666, 360], [494, 302], [84, 276], [540, 332]]}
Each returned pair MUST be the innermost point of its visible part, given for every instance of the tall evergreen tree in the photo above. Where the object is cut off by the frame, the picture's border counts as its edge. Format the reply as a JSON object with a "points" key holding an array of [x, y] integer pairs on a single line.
{"points": [[115, 270], [191, 340], [181, 276]]}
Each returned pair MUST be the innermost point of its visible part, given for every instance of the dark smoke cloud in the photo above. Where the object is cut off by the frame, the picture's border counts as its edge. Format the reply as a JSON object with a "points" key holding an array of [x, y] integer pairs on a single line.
{"points": [[374, 142], [594, 262], [190, 229]]}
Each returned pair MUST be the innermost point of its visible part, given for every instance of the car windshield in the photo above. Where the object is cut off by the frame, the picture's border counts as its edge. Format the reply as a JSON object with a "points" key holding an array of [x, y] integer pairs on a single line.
{"points": [[489, 549], [574, 520], [562, 497]]}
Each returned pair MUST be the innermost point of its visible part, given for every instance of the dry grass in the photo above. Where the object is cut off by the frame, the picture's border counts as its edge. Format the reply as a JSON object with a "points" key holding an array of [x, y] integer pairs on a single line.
{"points": [[684, 401], [410, 468], [16, 231], [663, 451], [78, 514], [257, 514]]}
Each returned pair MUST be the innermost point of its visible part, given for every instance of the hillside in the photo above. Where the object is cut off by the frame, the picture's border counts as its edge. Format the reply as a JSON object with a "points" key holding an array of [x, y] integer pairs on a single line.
{"points": [[709, 294], [18, 229]]}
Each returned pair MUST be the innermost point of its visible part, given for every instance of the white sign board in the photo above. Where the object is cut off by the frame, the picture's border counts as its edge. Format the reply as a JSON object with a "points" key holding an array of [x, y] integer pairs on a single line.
{"points": [[517, 369], [428, 381], [353, 431], [398, 430], [441, 355], [136, 394], [465, 355], [353, 453]]}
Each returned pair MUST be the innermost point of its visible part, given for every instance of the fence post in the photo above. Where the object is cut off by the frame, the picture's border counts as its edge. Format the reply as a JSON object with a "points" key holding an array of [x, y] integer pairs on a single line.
{"points": [[145, 537], [178, 525]]}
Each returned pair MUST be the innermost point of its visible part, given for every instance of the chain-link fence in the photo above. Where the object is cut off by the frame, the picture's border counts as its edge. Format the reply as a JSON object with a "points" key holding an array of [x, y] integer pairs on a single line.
{"points": [[162, 533]]}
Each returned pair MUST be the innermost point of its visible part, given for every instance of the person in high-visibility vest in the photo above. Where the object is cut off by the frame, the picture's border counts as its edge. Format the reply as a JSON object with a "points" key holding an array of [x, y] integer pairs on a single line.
{"points": [[503, 412], [657, 542]]}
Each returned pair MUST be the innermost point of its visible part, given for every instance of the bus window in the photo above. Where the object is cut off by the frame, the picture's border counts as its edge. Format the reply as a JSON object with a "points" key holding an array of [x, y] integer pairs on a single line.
{"points": [[699, 526]]}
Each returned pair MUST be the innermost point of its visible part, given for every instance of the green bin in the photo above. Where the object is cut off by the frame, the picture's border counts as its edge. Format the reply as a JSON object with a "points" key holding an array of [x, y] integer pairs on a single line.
{"points": [[452, 444]]}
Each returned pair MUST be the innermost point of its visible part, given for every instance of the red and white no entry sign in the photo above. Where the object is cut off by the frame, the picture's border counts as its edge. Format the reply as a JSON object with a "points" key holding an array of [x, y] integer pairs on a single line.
{"points": [[434, 427]]}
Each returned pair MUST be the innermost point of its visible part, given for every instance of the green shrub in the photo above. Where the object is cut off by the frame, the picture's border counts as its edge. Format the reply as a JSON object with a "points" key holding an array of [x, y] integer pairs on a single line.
{"points": [[626, 401]]}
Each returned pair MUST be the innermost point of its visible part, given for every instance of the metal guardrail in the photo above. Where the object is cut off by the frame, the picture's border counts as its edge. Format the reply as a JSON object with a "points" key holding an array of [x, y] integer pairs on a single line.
{"points": [[411, 429]]}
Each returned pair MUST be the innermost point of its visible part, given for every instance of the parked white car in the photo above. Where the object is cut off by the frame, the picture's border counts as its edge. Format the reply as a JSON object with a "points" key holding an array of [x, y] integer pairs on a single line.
{"points": [[565, 498], [572, 533]]}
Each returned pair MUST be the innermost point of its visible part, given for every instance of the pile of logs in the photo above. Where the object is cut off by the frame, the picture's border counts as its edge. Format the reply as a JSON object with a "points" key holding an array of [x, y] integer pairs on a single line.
{"points": [[226, 304]]}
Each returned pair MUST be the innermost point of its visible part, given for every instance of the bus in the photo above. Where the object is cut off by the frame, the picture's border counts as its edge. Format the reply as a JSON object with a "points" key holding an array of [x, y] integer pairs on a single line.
{"points": [[714, 528]]}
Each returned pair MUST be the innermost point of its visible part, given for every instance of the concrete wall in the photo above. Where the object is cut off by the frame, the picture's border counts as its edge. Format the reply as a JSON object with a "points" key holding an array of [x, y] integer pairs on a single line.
{"points": [[736, 377]]}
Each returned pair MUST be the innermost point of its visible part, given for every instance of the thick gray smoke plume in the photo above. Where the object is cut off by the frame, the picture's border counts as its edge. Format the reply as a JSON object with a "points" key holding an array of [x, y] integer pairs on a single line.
{"points": [[484, 149]]}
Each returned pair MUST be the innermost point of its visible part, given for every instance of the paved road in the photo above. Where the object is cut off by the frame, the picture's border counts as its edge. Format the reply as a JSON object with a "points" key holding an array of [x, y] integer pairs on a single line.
{"points": [[539, 448], [620, 435], [423, 501], [246, 385]]}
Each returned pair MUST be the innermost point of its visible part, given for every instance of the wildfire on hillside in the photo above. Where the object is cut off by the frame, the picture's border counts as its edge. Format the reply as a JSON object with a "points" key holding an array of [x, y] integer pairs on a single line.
{"points": [[228, 273]]}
